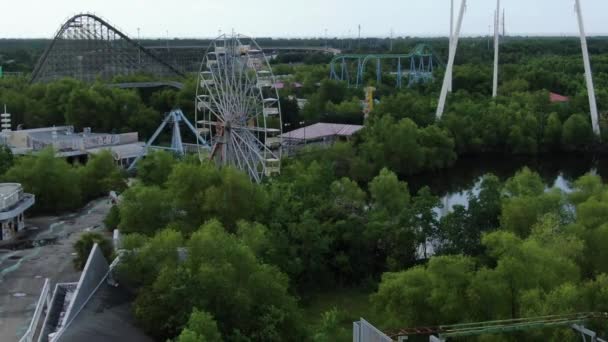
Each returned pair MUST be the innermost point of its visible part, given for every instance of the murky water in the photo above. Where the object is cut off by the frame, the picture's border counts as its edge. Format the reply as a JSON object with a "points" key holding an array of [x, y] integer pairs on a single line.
{"points": [[454, 184]]}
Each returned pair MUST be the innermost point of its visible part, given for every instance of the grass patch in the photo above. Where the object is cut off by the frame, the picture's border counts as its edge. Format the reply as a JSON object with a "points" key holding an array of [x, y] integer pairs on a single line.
{"points": [[351, 305]]}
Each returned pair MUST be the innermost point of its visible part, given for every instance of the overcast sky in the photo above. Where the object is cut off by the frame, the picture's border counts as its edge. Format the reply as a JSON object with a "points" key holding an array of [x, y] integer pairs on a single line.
{"points": [[300, 18]]}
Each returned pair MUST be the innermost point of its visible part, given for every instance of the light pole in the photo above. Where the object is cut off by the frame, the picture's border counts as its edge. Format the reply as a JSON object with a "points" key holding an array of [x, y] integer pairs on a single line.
{"points": [[138, 50], [303, 123], [359, 39]]}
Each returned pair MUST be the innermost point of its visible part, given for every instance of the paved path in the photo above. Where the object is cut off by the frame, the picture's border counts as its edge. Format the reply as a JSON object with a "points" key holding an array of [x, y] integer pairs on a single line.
{"points": [[45, 253]]}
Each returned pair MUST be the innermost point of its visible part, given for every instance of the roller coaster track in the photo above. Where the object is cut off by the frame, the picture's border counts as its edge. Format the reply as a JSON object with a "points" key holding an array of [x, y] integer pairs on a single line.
{"points": [[418, 65], [87, 47], [501, 326]]}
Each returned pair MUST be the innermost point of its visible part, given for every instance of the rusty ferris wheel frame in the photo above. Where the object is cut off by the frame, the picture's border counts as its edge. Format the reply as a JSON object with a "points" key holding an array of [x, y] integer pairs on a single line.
{"points": [[86, 47]]}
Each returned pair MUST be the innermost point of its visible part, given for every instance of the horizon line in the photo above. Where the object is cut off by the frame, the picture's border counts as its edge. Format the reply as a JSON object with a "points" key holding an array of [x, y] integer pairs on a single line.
{"points": [[466, 35]]}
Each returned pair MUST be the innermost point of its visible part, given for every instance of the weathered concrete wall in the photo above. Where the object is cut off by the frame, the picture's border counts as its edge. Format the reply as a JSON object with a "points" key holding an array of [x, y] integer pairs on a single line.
{"points": [[95, 271]]}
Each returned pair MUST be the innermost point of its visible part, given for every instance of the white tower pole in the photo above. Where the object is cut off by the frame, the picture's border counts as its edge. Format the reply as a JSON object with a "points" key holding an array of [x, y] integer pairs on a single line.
{"points": [[450, 66], [496, 47], [588, 73], [451, 39]]}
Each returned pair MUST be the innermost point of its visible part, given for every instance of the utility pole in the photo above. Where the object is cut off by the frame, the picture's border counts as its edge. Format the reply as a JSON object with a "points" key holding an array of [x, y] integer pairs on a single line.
{"points": [[138, 50], [325, 39], [167, 42], [490, 34], [350, 37], [359, 39], [391, 46], [496, 47], [504, 30], [450, 66], [588, 73]]}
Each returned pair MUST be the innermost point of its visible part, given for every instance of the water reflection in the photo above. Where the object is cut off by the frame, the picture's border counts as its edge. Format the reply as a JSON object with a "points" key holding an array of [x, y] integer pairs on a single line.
{"points": [[454, 184]]}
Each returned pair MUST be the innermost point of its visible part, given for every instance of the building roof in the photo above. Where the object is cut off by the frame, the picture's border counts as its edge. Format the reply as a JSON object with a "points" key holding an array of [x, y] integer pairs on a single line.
{"points": [[106, 317], [43, 129], [98, 310], [553, 97], [61, 135], [8, 189], [13, 201], [321, 130], [122, 151]]}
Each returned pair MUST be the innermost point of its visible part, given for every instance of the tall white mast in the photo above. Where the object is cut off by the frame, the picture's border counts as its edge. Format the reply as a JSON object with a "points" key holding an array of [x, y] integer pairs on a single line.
{"points": [[451, 39], [588, 74], [496, 47], [450, 66]]}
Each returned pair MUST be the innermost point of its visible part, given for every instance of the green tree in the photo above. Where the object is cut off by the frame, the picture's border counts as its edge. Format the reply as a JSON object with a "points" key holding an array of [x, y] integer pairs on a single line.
{"points": [[437, 148], [330, 329], [577, 133], [221, 276], [553, 132], [201, 327], [112, 220], [100, 175], [153, 255], [85, 244], [388, 193], [524, 183], [155, 168], [234, 198], [390, 225], [54, 182], [144, 210], [6, 159], [424, 217]]}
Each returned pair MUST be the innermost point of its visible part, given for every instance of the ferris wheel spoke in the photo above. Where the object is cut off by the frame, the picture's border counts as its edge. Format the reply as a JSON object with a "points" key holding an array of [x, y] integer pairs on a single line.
{"points": [[218, 98], [238, 160], [246, 158], [252, 146], [210, 108]]}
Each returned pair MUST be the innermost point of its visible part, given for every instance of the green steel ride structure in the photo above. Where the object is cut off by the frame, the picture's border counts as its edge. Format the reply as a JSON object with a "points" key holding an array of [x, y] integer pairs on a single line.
{"points": [[417, 66]]}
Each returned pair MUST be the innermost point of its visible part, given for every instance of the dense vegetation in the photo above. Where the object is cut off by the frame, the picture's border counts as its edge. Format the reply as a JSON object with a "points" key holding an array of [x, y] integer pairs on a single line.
{"points": [[60, 186], [215, 257], [517, 250]]}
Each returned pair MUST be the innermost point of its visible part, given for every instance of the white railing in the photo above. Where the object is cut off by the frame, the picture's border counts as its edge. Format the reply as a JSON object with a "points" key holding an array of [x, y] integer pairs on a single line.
{"points": [[43, 302]]}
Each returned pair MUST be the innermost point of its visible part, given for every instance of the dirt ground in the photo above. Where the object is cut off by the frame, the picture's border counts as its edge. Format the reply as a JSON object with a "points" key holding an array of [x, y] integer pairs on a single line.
{"points": [[44, 252]]}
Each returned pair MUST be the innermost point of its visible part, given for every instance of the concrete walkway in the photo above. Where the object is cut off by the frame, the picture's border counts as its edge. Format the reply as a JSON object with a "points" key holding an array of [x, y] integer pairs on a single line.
{"points": [[46, 252]]}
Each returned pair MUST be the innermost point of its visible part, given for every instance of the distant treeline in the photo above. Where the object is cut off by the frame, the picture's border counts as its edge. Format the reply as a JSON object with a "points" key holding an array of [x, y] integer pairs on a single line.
{"points": [[22, 54]]}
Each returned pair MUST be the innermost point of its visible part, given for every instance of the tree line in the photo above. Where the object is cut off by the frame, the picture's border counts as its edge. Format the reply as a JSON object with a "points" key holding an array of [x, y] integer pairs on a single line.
{"points": [[200, 235], [58, 185]]}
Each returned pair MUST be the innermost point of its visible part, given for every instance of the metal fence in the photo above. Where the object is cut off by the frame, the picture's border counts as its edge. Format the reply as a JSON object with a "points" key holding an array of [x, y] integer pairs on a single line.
{"points": [[363, 331]]}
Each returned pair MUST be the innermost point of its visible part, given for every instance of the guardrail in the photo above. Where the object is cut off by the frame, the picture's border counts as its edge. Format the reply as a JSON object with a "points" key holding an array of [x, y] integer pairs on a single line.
{"points": [[43, 302]]}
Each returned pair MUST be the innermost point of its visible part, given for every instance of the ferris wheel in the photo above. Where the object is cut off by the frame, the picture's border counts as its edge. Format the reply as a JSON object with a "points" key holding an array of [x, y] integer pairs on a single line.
{"points": [[237, 107]]}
